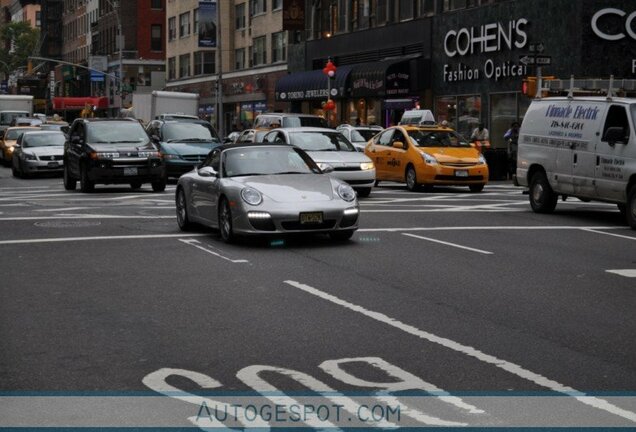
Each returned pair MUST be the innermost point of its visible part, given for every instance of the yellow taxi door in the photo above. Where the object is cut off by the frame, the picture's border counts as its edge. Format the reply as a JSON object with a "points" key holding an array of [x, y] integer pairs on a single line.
{"points": [[398, 158], [378, 151]]}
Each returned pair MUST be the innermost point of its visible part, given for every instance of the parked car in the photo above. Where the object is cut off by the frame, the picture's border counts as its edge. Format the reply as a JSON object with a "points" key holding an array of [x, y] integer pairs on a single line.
{"points": [[359, 135], [183, 144], [111, 151], [249, 189], [287, 120], [329, 147], [9, 137], [38, 152], [251, 136], [425, 156]]}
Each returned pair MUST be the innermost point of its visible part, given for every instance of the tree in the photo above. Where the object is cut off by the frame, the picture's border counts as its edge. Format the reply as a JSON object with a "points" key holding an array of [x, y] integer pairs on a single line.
{"points": [[22, 41]]}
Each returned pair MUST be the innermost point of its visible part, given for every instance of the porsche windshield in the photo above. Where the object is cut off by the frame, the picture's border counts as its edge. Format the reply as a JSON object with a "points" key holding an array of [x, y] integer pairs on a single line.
{"points": [[124, 132], [190, 132], [321, 141], [423, 138], [249, 161]]}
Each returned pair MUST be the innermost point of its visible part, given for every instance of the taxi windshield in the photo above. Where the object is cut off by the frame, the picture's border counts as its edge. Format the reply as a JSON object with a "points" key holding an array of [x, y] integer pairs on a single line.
{"points": [[423, 138]]}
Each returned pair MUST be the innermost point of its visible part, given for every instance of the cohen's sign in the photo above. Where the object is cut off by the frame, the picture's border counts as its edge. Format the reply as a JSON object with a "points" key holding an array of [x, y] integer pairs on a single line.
{"points": [[488, 38], [613, 25]]}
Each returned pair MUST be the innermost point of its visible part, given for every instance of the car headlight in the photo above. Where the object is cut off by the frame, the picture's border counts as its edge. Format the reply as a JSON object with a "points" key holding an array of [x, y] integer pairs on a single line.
{"points": [[28, 156], [482, 159], [428, 158], [170, 156], [346, 192], [251, 196], [104, 155], [149, 154], [365, 166]]}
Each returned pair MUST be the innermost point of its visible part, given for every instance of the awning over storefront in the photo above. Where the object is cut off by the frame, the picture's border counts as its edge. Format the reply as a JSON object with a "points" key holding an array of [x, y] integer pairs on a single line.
{"points": [[312, 85], [387, 78], [79, 103]]}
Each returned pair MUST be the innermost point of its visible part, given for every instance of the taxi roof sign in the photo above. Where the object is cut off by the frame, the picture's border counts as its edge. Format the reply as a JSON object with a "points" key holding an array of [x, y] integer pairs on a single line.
{"points": [[417, 117]]}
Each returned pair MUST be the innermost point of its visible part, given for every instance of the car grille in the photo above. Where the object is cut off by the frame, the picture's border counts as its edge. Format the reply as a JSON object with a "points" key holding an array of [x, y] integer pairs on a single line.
{"points": [[297, 226], [455, 178], [348, 168], [51, 158], [193, 158], [459, 164]]}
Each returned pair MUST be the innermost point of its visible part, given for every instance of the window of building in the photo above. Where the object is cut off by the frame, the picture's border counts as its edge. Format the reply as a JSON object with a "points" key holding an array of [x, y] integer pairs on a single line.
{"points": [[195, 19], [156, 4], [258, 51], [38, 19], [381, 12], [406, 9], [258, 7], [184, 65], [505, 108], [239, 59], [156, 39], [279, 47], [172, 28], [204, 63], [172, 68], [184, 24], [277, 4], [239, 13], [426, 7]]}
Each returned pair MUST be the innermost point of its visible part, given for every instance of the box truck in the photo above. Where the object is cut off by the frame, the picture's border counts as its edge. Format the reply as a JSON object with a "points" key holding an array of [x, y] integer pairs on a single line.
{"points": [[164, 104], [12, 106]]}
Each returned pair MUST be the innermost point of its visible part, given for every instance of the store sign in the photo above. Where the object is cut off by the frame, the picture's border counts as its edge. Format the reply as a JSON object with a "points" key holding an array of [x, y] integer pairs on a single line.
{"points": [[398, 83], [367, 84], [487, 38], [307, 94], [207, 24], [627, 27]]}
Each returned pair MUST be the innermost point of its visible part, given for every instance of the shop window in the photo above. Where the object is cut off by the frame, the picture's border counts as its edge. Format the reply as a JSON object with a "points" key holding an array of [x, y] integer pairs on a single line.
{"points": [[279, 47], [503, 112], [239, 11]]}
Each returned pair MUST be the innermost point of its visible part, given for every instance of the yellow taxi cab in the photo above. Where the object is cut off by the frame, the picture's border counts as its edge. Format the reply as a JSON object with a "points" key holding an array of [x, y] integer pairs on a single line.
{"points": [[8, 140], [427, 155]]}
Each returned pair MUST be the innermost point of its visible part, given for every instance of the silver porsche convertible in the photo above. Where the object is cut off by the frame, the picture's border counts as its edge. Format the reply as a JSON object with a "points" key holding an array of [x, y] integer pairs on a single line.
{"points": [[248, 189]]}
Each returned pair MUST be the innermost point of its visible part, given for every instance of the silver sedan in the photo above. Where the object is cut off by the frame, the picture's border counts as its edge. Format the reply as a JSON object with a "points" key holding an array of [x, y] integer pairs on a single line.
{"points": [[248, 189]]}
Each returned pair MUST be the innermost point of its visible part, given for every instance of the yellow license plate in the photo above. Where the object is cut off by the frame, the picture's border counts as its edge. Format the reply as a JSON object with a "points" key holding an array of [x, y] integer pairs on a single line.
{"points": [[311, 218]]}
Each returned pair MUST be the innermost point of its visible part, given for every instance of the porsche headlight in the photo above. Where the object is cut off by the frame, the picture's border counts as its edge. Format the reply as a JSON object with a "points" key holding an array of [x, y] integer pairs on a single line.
{"points": [[365, 166], [428, 158], [346, 192], [251, 196]]}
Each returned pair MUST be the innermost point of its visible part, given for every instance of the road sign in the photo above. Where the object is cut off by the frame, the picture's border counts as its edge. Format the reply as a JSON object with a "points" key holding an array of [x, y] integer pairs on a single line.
{"points": [[536, 47], [526, 60], [543, 60]]}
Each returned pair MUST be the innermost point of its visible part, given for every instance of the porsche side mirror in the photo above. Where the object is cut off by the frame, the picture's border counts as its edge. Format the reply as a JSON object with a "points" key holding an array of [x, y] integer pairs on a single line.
{"points": [[207, 171], [326, 168]]}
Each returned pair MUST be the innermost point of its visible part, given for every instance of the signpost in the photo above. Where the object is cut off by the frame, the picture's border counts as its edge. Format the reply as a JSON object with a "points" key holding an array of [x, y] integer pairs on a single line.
{"points": [[535, 58]]}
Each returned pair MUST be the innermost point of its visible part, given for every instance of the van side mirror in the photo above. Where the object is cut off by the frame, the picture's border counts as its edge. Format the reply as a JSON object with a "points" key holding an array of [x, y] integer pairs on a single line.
{"points": [[399, 145], [615, 135]]}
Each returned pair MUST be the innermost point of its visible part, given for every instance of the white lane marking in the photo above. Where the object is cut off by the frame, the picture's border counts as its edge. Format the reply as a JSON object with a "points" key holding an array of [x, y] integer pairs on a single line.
{"points": [[594, 230], [96, 238], [493, 228], [630, 273], [197, 244], [510, 367], [64, 209], [84, 216], [478, 209], [449, 244]]}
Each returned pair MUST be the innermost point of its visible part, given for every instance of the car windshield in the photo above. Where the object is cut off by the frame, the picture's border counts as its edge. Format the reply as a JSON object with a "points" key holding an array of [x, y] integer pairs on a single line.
{"points": [[14, 134], [186, 131], [249, 161], [62, 128], [291, 122], [120, 132], [363, 135], [43, 139], [421, 138], [321, 141], [8, 116]]}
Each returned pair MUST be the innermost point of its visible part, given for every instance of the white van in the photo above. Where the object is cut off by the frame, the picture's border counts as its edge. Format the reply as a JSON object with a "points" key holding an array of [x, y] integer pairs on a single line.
{"points": [[583, 147]]}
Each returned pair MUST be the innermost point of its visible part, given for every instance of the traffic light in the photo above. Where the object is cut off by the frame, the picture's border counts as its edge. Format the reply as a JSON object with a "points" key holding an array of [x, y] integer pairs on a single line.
{"points": [[529, 87]]}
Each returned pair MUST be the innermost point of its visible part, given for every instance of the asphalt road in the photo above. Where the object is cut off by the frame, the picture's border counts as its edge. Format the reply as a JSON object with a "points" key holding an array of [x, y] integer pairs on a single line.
{"points": [[466, 292]]}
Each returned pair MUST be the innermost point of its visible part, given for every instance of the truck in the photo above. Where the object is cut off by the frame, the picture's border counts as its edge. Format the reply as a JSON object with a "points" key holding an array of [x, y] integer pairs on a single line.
{"points": [[12, 106], [158, 104]]}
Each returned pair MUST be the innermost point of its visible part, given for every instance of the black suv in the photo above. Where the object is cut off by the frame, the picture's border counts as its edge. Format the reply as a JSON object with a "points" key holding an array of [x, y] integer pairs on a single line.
{"points": [[111, 151]]}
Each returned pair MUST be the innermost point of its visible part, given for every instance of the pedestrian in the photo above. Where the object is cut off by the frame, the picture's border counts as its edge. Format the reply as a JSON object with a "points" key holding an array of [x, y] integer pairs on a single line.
{"points": [[480, 133], [511, 137]]}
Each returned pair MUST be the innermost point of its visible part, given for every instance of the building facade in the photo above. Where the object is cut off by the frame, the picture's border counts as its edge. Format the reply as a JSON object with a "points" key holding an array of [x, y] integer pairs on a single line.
{"points": [[238, 80], [466, 60]]}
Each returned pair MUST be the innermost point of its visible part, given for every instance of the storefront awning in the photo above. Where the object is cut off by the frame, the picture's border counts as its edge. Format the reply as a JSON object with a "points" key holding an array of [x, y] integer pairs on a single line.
{"points": [[387, 78], [79, 103], [312, 85]]}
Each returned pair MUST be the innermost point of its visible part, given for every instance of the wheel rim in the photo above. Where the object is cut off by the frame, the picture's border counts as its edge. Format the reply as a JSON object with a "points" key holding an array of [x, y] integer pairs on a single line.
{"points": [[410, 178], [225, 223], [181, 208], [537, 193]]}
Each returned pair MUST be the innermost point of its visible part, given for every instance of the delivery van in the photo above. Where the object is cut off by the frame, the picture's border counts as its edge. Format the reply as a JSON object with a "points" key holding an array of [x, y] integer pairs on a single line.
{"points": [[583, 147]]}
